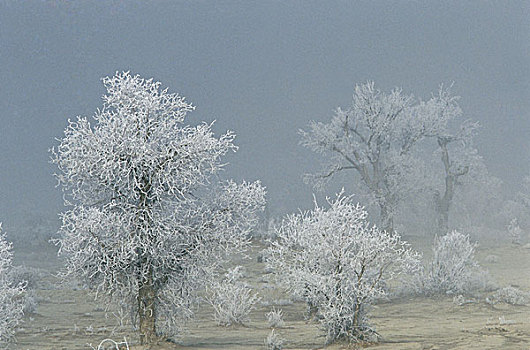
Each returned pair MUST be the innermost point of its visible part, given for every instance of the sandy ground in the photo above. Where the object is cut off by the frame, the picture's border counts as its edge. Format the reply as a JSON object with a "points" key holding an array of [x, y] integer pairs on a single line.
{"points": [[68, 318]]}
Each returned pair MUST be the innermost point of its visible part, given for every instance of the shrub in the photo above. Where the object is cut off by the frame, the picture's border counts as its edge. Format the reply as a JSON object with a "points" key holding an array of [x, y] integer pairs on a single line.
{"points": [[232, 299], [275, 318], [339, 264], [273, 341], [453, 269], [509, 295]]}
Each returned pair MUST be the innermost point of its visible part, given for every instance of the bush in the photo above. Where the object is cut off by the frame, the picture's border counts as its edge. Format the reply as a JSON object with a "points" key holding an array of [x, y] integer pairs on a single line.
{"points": [[509, 295], [453, 269], [31, 279], [232, 299], [338, 264], [275, 318], [273, 341]]}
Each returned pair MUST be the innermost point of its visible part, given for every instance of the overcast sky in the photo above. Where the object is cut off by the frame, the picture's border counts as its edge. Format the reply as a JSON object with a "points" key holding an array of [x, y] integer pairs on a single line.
{"points": [[261, 68]]}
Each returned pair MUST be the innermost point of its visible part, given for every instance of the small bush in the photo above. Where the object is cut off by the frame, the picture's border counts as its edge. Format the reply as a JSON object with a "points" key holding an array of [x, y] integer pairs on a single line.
{"points": [[232, 299], [273, 341], [453, 269], [509, 295], [28, 275], [30, 279], [275, 318]]}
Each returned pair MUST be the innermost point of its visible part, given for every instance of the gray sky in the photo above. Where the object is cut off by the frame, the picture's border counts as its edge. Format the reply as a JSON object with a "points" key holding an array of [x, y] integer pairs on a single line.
{"points": [[261, 68]]}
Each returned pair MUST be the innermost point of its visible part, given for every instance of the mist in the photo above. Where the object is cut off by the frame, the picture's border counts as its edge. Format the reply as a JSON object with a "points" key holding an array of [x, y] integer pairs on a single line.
{"points": [[262, 69]]}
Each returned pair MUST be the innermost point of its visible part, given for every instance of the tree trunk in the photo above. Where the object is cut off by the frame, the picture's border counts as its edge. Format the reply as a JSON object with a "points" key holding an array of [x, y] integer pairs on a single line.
{"points": [[387, 217], [146, 287], [146, 310], [443, 205]]}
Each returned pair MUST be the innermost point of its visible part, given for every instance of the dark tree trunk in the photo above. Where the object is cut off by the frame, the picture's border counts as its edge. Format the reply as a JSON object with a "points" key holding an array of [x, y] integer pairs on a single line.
{"points": [[387, 217], [146, 287], [443, 203], [147, 310]]}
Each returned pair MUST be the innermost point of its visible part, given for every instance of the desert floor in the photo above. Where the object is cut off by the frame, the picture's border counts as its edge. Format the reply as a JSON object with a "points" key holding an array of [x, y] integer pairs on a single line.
{"points": [[68, 318]]}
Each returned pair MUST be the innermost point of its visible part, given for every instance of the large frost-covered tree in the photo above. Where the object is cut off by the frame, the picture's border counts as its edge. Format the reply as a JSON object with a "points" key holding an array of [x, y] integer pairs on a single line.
{"points": [[375, 138], [148, 222], [339, 264]]}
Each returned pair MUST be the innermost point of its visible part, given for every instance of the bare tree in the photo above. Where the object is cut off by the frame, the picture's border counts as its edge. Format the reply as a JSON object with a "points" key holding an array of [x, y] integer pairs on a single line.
{"points": [[338, 263], [375, 138], [147, 226]]}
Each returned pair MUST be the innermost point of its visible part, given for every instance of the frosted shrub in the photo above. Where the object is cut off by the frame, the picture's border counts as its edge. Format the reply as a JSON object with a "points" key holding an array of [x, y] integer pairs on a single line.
{"points": [[148, 221], [509, 295], [275, 318], [11, 294], [30, 278], [335, 261], [273, 341], [453, 268], [232, 299], [28, 275]]}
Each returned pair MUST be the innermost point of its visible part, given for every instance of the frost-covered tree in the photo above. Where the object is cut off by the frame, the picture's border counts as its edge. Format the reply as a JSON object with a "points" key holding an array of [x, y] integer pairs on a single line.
{"points": [[334, 260], [148, 222], [375, 138], [11, 294], [459, 158]]}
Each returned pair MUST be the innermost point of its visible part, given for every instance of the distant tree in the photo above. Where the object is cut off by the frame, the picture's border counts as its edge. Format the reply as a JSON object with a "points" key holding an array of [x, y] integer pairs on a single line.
{"points": [[375, 138], [11, 294], [148, 225], [455, 149], [338, 263], [479, 204]]}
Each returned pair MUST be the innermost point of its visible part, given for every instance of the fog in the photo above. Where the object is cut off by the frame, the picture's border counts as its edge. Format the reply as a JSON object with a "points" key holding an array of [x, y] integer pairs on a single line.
{"points": [[263, 69]]}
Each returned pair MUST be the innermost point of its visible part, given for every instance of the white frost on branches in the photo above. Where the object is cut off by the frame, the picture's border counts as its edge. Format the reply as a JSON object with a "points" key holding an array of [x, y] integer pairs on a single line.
{"points": [[375, 138], [334, 260], [147, 223], [453, 268], [11, 295], [232, 299]]}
